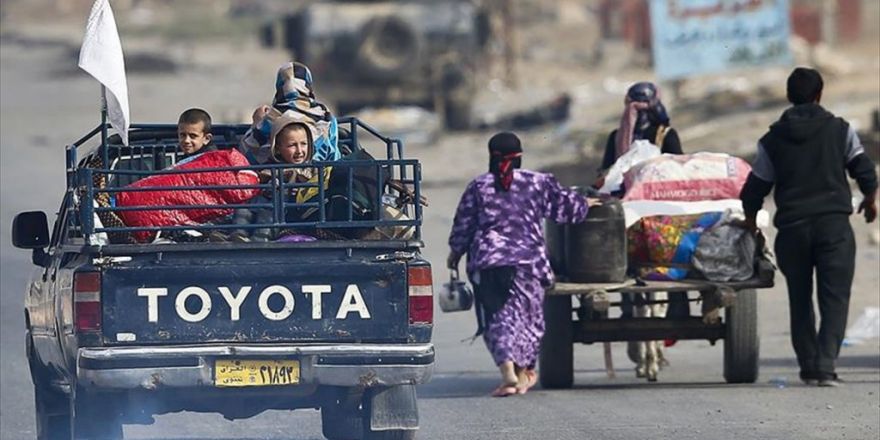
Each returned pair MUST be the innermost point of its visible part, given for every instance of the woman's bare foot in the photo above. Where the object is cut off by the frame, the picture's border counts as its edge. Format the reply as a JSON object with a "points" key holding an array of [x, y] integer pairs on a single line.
{"points": [[527, 379], [505, 390], [509, 380], [508, 373]]}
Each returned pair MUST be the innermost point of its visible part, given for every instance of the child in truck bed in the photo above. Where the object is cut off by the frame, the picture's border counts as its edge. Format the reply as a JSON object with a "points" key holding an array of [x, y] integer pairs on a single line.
{"points": [[291, 142], [194, 133]]}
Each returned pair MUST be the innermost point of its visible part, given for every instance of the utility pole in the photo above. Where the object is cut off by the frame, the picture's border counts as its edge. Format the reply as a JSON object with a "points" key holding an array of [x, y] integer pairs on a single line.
{"points": [[829, 21], [511, 46], [503, 46]]}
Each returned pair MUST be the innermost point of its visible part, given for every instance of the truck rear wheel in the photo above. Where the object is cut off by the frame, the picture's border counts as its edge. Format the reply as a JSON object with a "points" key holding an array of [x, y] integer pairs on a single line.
{"points": [[52, 411], [339, 423], [557, 347], [741, 341], [395, 434], [51, 407], [95, 416]]}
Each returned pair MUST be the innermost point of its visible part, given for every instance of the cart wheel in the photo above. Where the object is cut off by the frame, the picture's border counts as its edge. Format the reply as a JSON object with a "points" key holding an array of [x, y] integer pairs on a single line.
{"points": [[741, 342], [557, 347]]}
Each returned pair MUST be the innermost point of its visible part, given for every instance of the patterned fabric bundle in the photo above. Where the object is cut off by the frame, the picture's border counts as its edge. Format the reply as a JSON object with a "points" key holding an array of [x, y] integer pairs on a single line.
{"points": [[295, 100], [661, 247]]}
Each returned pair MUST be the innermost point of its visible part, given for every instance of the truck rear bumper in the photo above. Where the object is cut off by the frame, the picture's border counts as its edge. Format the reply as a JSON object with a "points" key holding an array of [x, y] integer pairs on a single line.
{"points": [[193, 366]]}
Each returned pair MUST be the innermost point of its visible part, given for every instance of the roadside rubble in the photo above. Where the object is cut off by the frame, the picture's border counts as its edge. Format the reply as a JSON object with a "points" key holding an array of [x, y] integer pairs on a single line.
{"points": [[822, 56], [411, 124], [557, 110]]}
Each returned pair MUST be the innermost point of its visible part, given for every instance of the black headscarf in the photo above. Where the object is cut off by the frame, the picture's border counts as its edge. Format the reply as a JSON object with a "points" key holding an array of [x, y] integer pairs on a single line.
{"points": [[656, 113], [505, 155]]}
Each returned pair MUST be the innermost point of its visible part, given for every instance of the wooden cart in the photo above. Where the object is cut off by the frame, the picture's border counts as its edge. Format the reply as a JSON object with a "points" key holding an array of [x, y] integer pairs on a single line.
{"points": [[591, 322]]}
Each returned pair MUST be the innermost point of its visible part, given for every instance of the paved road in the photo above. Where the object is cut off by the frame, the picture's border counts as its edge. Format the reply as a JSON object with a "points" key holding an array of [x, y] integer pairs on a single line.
{"points": [[42, 109]]}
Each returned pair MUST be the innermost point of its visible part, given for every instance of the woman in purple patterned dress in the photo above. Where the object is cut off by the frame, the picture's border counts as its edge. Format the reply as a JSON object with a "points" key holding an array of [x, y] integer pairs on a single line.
{"points": [[499, 225]]}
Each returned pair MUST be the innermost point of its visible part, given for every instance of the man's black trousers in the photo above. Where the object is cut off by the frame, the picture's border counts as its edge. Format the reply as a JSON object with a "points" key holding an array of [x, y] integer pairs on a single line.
{"points": [[826, 245]]}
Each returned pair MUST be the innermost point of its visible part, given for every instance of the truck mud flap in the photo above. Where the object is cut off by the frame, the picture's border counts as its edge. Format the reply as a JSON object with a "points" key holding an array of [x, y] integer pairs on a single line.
{"points": [[392, 408]]}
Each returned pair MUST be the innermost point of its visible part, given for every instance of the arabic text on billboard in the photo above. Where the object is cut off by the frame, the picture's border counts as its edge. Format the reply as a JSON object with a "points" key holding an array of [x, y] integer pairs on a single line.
{"points": [[693, 37]]}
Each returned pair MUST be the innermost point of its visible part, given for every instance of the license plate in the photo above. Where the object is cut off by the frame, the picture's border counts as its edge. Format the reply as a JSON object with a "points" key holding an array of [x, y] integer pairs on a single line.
{"points": [[255, 373]]}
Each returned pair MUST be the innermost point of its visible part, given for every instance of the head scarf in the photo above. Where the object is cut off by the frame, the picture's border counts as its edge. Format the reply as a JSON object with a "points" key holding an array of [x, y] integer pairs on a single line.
{"points": [[293, 82], [295, 99], [279, 124], [292, 175], [505, 155], [642, 109]]}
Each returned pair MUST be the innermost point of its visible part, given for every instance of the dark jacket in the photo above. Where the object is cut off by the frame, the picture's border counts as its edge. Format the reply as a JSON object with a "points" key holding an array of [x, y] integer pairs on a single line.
{"points": [[671, 145], [808, 151]]}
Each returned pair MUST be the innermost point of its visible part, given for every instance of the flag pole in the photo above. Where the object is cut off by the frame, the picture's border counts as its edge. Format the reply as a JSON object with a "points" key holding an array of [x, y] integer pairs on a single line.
{"points": [[104, 155], [101, 57]]}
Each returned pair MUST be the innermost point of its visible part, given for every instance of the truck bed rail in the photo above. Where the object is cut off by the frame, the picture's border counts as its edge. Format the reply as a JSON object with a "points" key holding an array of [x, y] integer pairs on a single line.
{"points": [[109, 168]]}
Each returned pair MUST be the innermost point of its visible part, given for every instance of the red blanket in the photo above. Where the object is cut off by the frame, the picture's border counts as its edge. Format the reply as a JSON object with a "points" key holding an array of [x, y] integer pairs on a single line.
{"points": [[180, 217]]}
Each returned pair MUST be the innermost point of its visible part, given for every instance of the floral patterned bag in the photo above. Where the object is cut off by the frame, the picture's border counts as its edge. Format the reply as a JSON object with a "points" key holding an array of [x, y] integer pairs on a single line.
{"points": [[661, 247]]}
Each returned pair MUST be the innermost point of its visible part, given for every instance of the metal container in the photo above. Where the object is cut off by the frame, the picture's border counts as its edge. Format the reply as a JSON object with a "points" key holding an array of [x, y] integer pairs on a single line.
{"points": [[593, 251]]}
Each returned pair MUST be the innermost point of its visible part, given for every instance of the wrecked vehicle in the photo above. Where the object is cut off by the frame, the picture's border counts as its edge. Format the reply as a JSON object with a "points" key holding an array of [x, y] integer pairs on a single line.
{"points": [[120, 329], [390, 53]]}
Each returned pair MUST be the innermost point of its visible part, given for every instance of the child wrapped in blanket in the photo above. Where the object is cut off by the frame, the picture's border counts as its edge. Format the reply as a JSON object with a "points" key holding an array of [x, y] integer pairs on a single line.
{"points": [[291, 142]]}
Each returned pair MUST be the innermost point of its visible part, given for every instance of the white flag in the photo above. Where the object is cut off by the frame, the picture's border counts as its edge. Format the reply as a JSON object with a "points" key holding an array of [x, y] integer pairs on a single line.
{"points": [[101, 57]]}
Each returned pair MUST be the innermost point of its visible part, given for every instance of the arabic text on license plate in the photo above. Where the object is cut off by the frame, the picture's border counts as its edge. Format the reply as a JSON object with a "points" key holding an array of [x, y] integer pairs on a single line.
{"points": [[255, 373]]}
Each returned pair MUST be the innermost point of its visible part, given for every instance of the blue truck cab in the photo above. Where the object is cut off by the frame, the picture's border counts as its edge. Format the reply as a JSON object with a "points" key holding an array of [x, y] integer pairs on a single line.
{"points": [[120, 330]]}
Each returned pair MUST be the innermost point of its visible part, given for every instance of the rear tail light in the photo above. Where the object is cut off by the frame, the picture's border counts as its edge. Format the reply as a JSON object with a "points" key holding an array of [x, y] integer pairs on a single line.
{"points": [[87, 301], [421, 295]]}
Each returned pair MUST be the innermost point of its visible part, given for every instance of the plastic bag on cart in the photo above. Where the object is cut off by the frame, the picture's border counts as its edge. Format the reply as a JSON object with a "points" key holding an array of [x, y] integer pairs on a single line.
{"points": [[640, 151], [726, 251], [661, 247], [687, 177]]}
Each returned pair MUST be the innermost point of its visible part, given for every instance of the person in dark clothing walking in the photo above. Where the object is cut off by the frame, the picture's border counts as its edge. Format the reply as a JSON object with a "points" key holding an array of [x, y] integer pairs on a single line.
{"points": [[805, 156]]}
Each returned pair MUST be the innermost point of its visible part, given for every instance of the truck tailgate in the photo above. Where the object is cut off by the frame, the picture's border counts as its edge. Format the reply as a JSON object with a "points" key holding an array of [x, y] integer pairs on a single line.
{"points": [[260, 301]]}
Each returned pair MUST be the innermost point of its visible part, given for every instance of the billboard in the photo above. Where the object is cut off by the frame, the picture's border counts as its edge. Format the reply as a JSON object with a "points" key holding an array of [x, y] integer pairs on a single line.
{"points": [[693, 37]]}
